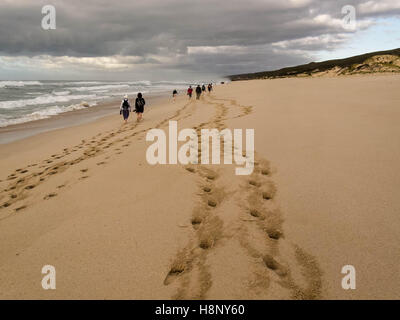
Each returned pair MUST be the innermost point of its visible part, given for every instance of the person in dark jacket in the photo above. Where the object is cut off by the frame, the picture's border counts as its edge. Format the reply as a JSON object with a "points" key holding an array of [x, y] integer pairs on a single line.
{"points": [[198, 92], [139, 106], [125, 108]]}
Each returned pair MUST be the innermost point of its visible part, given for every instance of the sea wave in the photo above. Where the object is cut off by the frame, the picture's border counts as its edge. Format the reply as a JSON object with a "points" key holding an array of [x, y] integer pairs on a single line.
{"points": [[97, 88], [61, 93], [9, 84], [140, 83], [43, 114], [42, 100]]}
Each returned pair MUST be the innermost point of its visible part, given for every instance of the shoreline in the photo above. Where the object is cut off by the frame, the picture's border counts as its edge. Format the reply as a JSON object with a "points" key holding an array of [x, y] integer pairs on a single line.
{"points": [[24, 130]]}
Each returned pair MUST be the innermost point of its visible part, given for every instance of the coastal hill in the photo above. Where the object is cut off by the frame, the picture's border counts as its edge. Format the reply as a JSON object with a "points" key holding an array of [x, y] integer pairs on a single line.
{"points": [[374, 62]]}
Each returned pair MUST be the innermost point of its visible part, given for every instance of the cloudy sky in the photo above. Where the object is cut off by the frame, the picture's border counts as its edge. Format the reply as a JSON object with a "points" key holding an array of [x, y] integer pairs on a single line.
{"points": [[184, 39]]}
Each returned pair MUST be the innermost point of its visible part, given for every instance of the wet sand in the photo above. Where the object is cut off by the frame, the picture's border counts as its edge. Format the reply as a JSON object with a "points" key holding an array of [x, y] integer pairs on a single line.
{"points": [[64, 120]]}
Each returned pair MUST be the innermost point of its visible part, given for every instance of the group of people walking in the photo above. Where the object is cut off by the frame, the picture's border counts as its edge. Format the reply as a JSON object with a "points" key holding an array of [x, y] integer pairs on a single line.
{"points": [[199, 90], [126, 109]]}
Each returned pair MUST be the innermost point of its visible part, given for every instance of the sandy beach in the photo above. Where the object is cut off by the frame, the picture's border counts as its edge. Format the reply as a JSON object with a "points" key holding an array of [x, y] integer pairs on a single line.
{"points": [[324, 194]]}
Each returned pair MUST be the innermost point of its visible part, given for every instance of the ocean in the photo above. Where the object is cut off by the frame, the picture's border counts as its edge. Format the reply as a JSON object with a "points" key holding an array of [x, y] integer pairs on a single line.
{"points": [[24, 101]]}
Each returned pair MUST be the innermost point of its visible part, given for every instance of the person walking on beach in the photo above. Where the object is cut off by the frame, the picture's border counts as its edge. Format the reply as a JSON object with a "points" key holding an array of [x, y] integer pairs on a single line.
{"points": [[139, 106], [125, 108], [174, 94], [203, 88], [198, 92], [210, 88], [190, 92]]}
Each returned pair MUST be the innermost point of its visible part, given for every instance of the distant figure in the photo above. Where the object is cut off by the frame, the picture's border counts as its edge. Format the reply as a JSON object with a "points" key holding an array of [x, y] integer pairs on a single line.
{"points": [[203, 88], [139, 106], [174, 94], [125, 108], [198, 92], [190, 92], [210, 87]]}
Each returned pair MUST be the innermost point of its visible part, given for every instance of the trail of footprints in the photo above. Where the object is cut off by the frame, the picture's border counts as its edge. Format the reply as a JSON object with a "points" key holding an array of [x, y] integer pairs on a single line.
{"points": [[24, 180], [190, 268], [258, 213]]}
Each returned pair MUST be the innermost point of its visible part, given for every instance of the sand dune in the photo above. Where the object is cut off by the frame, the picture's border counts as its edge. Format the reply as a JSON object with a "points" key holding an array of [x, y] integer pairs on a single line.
{"points": [[324, 193]]}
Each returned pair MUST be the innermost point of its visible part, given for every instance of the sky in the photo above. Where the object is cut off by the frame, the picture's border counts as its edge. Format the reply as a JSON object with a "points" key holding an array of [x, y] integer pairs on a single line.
{"points": [[184, 39]]}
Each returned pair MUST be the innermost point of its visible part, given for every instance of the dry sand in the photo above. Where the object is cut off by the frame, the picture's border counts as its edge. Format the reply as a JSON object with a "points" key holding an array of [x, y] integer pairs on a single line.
{"points": [[325, 193]]}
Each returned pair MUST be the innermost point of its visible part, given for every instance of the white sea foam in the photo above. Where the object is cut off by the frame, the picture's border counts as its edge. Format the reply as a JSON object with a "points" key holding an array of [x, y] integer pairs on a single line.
{"points": [[43, 114], [96, 88], [9, 84], [82, 82], [61, 93], [141, 83], [45, 99]]}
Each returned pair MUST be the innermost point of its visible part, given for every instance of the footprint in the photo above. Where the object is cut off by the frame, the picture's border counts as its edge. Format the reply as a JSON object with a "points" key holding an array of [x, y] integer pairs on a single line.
{"points": [[84, 170], [255, 213], [267, 196], [254, 183], [172, 275], [265, 172], [50, 195], [269, 192], [179, 266], [212, 203], [190, 169], [275, 266], [20, 208], [30, 187], [274, 234], [207, 189], [207, 241], [197, 220]]}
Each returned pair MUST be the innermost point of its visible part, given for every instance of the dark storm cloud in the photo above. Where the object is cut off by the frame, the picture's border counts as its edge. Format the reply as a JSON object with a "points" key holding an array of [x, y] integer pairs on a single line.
{"points": [[162, 32]]}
